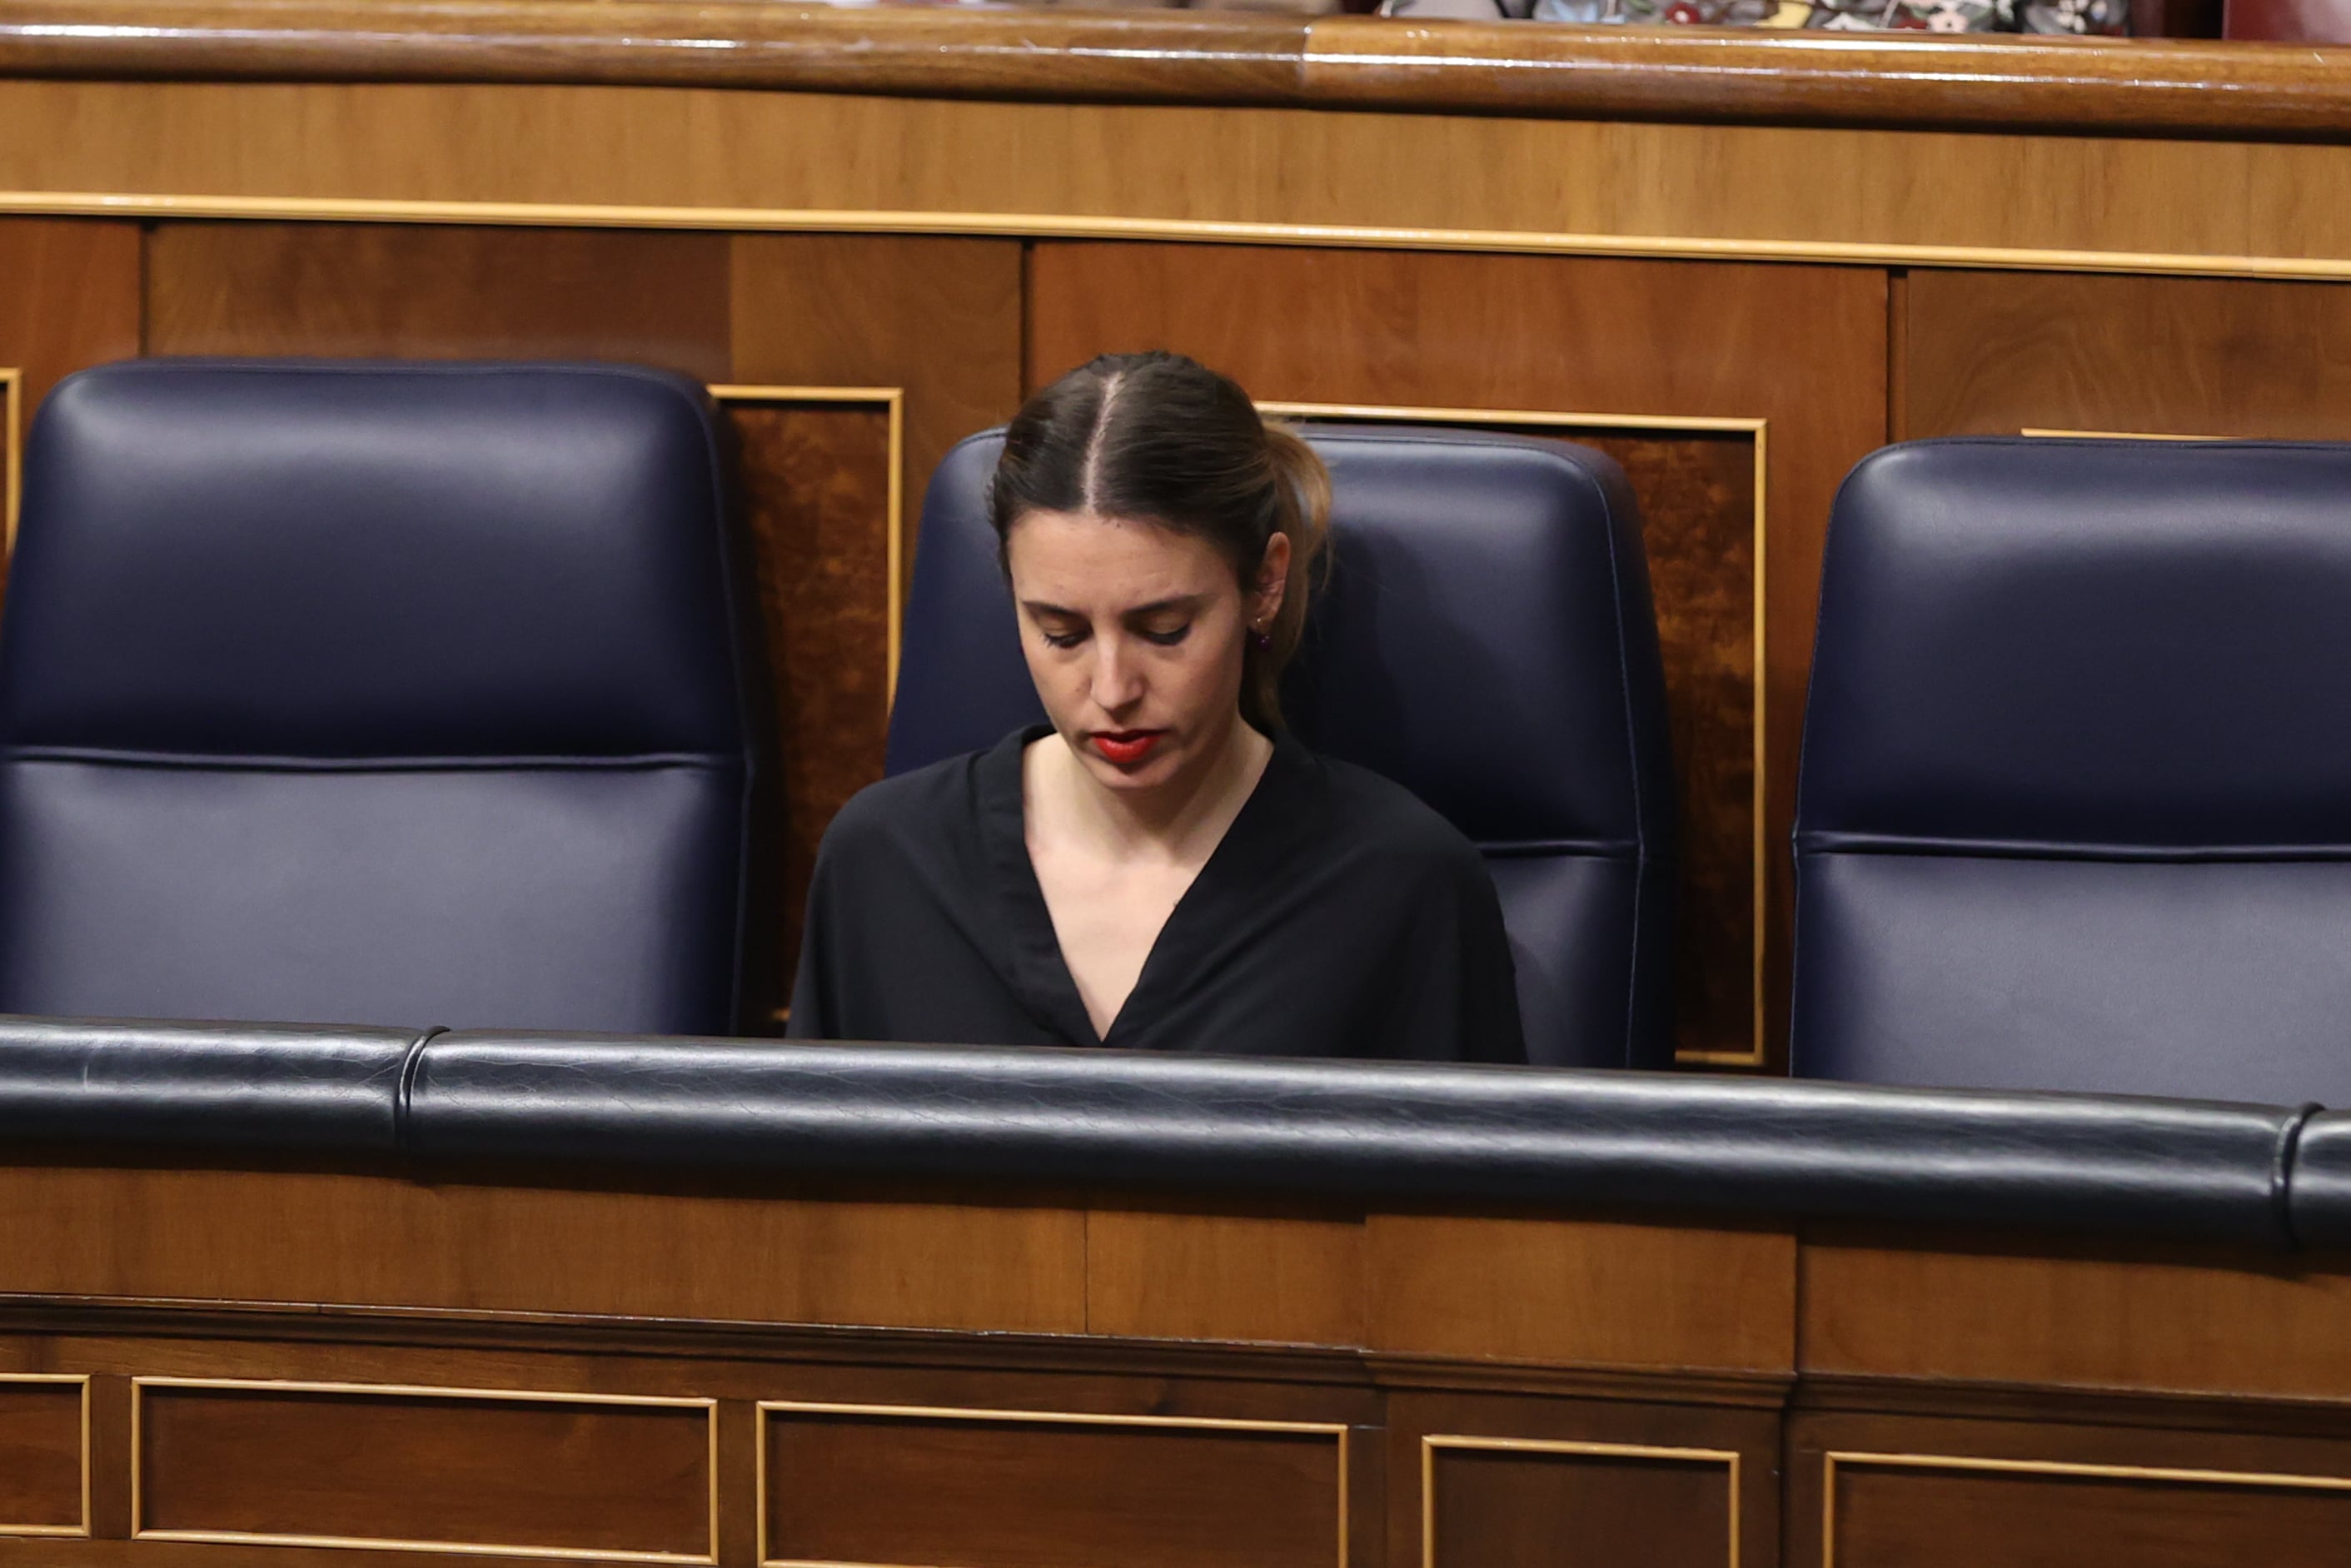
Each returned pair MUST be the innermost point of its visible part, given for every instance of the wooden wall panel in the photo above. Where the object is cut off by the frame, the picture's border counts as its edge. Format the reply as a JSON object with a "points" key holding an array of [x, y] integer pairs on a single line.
{"points": [[947, 1487], [220, 1235], [41, 1456], [1164, 1274], [69, 299], [432, 292], [352, 1466], [937, 317], [1529, 1505], [1994, 353], [1802, 349], [2046, 1314], [816, 485], [1583, 1293]]}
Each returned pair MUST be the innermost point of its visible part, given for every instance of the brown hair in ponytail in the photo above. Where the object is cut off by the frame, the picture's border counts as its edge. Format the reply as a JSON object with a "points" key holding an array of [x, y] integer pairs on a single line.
{"points": [[1163, 438]]}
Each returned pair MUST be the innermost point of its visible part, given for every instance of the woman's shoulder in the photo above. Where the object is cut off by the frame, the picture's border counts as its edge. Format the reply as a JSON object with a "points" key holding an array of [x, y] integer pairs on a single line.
{"points": [[1381, 820], [916, 807]]}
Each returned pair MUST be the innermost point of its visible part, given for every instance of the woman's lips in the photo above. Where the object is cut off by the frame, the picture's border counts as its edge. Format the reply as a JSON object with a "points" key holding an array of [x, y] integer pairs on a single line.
{"points": [[1126, 747]]}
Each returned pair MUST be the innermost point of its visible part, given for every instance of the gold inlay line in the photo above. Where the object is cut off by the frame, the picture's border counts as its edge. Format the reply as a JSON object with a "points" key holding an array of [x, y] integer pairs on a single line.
{"points": [[78, 1379], [1431, 1443], [1337, 1431], [140, 1531], [1053, 225], [1758, 430], [12, 452]]}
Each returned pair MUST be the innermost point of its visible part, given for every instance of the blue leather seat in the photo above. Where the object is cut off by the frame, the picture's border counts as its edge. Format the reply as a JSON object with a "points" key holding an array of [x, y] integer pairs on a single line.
{"points": [[371, 693], [1485, 638], [2075, 810]]}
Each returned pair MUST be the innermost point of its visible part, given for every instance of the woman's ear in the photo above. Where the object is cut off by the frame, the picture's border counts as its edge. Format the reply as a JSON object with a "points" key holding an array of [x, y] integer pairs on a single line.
{"points": [[1273, 581]]}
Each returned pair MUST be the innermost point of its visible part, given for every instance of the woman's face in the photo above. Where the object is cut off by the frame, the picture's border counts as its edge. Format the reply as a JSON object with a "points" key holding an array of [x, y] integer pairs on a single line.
{"points": [[1135, 635]]}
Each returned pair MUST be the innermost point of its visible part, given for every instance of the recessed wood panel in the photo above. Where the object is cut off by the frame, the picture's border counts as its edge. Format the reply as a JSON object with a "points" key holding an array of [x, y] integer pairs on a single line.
{"points": [[383, 1240], [959, 1490], [1801, 349], [1534, 1505], [41, 1459], [1916, 1512], [350, 1466], [429, 291], [1994, 353], [815, 481], [1163, 1274], [1583, 1293]]}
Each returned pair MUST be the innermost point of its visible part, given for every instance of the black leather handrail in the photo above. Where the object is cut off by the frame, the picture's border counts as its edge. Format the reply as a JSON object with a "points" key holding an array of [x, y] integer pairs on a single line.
{"points": [[1377, 1130]]}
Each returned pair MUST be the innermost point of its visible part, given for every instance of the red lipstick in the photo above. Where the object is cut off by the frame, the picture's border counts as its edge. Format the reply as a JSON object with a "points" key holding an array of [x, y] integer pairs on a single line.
{"points": [[1124, 749]]}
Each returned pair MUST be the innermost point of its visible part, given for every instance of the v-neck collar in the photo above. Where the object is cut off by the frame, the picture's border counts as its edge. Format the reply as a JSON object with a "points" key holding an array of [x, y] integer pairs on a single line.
{"points": [[1040, 974]]}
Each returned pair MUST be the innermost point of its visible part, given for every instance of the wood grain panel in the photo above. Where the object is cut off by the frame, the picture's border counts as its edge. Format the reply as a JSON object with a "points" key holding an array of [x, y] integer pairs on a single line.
{"points": [[1621, 1506], [1164, 1274], [1923, 1514], [742, 1257], [2198, 1319], [40, 1456], [1803, 348], [964, 1492], [1583, 1293], [939, 317], [814, 480], [70, 299], [1993, 353], [352, 1466], [703, 158], [429, 292]]}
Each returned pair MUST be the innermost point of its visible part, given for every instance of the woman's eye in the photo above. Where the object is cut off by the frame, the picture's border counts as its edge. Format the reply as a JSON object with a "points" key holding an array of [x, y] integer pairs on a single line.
{"points": [[1169, 637], [1063, 639]]}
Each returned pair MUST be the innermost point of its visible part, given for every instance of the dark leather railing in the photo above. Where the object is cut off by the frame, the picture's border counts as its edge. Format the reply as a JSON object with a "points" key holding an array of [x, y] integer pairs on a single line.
{"points": [[2266, 1174]]}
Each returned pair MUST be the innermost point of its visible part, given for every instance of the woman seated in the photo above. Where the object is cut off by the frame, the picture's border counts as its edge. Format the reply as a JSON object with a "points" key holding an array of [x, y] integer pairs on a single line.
{"points": [[1164, 866]]}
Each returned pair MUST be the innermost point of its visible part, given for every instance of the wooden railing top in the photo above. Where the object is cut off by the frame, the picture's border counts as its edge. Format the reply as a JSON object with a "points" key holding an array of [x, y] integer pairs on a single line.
{"points": [[1540, 71]]}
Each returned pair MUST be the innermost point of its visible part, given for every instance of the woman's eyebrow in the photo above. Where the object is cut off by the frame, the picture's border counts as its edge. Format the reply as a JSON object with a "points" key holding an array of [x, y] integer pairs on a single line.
{"points": [[1157, 606]]}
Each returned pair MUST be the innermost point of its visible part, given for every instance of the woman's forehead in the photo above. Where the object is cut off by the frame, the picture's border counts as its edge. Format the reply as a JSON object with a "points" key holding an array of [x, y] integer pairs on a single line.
{"points": [[1094, 561]]}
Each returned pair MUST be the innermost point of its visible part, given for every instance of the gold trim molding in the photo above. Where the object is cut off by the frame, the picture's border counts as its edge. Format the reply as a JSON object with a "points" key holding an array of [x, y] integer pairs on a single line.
{"points": [[2116, 435], [1757, 430], [1057, 225], [892, 399], [12, 452], [769, 1407], [2062, 1469], [51, 1379], [139, 1532], [1429, 1445]]}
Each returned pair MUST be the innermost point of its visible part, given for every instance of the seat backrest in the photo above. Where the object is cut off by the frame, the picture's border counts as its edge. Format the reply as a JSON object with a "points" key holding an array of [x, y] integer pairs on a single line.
{"points": [[1484, 638], [2075, 810], [371, 693]]}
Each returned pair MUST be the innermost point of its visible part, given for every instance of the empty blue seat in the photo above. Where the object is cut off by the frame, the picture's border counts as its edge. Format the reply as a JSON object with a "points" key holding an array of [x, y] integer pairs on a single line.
{"points": [[371, 693], [2075, 810], [1485, 638]]}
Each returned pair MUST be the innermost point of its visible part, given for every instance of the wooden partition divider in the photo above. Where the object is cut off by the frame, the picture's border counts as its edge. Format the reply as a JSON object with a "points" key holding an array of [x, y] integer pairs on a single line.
{"points": [[602, 1368]]}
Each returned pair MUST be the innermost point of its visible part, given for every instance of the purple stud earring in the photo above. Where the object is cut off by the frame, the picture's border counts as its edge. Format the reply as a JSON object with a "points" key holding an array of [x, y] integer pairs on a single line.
{"points": [[1261, 639]]}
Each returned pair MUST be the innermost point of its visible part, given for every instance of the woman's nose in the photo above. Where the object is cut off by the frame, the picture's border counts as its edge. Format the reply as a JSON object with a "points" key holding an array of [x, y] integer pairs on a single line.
{"points": [[1117, 677]]}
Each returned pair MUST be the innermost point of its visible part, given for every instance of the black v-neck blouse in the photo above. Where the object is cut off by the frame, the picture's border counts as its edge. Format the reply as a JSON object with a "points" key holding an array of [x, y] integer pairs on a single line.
{"points": [[1340, 916]]}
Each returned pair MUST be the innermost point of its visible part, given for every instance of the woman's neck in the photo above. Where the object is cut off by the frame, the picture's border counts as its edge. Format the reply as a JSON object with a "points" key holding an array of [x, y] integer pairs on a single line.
{"points": [[1182, 820]]}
